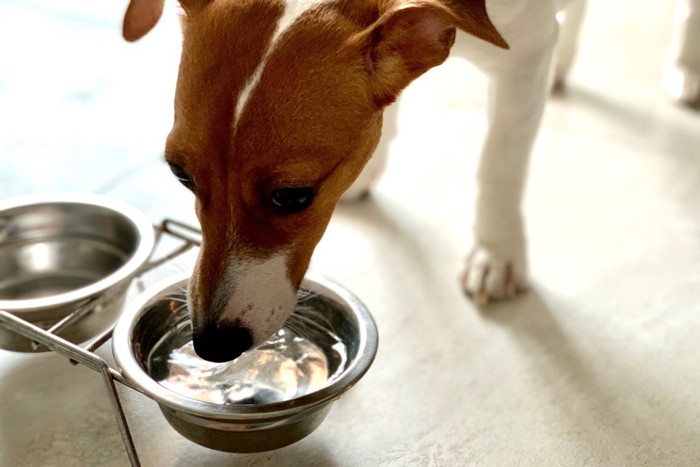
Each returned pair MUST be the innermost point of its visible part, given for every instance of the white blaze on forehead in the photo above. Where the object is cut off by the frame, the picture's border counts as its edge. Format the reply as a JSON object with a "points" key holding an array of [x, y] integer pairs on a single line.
{"points": [[293, 9], [261, 296]]}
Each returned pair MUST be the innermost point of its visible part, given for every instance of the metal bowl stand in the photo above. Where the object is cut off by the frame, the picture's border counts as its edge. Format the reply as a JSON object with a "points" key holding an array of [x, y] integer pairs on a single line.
{"points": [[189, 237]]}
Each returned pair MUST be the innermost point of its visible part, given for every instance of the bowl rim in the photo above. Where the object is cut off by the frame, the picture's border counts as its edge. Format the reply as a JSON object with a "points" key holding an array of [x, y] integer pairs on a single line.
{"points": [[138, 258], [138, 379]]}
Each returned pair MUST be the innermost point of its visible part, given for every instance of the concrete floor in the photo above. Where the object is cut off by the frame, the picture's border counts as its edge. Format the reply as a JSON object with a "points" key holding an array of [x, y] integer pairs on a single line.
{"points": [[596, 365]]}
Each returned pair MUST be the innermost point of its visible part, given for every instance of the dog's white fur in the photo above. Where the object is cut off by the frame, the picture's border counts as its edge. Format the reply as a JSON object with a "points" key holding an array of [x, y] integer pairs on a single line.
{"points": [[260, 309]]}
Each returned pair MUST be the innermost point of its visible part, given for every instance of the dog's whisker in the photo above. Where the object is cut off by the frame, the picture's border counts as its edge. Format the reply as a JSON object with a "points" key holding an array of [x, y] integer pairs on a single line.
{"points": [[305, 295], [180, 308], [306, 317], [177, 298]]}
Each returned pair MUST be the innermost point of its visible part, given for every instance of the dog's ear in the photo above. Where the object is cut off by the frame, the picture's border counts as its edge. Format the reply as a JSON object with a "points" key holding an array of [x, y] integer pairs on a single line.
{"points": [[415, 36], [140, 17]]}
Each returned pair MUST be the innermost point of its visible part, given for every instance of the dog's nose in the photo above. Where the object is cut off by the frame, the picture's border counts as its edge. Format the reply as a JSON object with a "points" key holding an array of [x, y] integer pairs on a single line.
{"points": [[221, 343]]}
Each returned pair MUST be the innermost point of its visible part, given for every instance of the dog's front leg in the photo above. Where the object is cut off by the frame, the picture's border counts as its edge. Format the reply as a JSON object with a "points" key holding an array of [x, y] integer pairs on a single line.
{"points": [[570, 21], [497, 264], [682, 76]]}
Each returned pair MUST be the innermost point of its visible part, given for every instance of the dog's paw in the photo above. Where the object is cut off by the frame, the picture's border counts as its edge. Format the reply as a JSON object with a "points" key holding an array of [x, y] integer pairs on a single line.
{"points": [[362, 186], [490, 276], [356, 193], [682, 85]]}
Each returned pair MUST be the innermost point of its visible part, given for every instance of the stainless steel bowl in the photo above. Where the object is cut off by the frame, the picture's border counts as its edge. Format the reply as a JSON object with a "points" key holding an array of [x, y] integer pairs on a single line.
{"points": [[243, 427], [58, 253]]}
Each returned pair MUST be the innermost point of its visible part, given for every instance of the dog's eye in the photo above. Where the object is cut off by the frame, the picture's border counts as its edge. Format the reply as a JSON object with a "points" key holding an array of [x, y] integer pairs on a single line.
{"points": [[182, 176], [292, 200]]}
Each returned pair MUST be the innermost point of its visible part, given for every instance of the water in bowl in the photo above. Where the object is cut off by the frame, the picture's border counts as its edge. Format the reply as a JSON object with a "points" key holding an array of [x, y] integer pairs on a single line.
{"points": [[297, 360]]}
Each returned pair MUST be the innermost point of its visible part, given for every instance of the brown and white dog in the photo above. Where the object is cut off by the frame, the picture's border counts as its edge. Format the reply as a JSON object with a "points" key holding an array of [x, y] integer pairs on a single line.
{"points": [[279, 108]]}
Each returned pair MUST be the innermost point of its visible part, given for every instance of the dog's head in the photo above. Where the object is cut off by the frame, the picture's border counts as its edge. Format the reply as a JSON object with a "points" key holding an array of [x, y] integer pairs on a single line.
{"points": [[278, 107]]}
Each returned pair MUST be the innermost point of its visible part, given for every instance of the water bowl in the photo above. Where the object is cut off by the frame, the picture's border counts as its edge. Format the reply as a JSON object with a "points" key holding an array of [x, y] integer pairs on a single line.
{"points": [[62, 252], [269, 397]]}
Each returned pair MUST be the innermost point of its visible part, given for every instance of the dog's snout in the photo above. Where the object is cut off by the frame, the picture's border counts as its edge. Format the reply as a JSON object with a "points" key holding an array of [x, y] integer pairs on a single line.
{"points": [[221, 343]]}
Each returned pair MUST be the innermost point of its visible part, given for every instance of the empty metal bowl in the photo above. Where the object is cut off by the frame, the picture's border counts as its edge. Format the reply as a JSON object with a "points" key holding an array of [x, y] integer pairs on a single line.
{"points": [[63, 252], [329, 316]]}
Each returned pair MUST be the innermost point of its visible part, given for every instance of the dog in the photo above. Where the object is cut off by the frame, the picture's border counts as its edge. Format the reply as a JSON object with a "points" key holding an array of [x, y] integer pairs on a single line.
{"points": [[279, 108]]}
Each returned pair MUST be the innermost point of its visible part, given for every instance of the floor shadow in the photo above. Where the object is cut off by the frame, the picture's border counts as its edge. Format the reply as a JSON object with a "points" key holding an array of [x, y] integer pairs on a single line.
{"points": [[566, 365], [646, 119], [389, 224], [672, 133]]}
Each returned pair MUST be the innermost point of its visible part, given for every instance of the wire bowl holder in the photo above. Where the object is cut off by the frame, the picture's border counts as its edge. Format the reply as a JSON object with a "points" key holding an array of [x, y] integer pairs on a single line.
{"points": [[189, 237]]}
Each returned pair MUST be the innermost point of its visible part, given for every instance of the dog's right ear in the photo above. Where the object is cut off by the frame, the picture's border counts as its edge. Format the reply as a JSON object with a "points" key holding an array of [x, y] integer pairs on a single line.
{"points": [[411, 37], [140, 17]]}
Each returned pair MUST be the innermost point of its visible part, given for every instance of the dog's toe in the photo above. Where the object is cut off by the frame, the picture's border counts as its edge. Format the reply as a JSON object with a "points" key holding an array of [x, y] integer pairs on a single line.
{"points": [[489, 276], [355, 195], [682, 85]]}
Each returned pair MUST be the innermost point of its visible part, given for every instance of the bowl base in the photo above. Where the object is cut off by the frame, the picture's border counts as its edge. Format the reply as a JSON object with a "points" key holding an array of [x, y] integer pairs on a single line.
{"points": [[246, 440]]}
